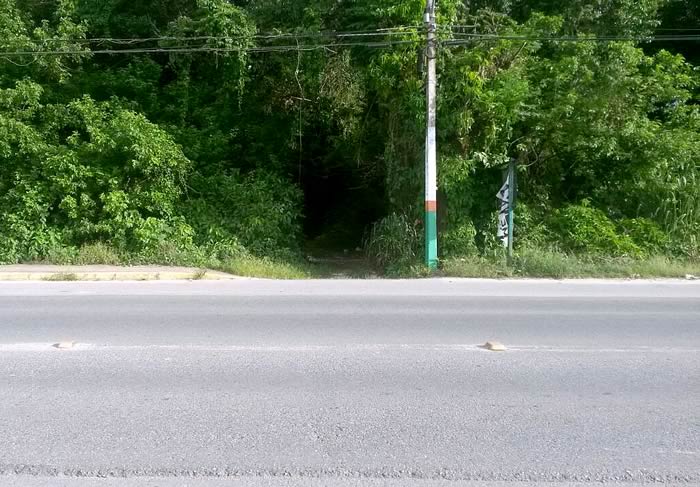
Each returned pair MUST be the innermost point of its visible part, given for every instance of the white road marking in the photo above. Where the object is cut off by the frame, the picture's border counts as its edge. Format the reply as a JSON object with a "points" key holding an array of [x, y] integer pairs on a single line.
{"points": [[478, 348]]}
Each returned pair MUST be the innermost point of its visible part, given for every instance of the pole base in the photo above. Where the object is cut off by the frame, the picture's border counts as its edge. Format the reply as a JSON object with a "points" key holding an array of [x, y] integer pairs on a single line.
{"points": [[431, 254]]}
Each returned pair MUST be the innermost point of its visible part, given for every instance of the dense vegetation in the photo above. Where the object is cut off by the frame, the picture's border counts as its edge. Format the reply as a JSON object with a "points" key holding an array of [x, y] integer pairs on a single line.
{"points": [[203, 130]]}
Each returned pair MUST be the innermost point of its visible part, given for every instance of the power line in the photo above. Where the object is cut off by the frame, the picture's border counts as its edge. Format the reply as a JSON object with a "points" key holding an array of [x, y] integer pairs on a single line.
{"points": [[389, 31], [662, 38], [209, 49], [392, 31], [457, 39], [395, 31], [678, 29], [473, 26]]}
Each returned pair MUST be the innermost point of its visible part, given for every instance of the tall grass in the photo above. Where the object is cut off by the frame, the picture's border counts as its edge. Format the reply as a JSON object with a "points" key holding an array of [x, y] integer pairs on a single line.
{"points": [[680, 207], [97, 253], [265, 268], [393, 241], [560, 265]]}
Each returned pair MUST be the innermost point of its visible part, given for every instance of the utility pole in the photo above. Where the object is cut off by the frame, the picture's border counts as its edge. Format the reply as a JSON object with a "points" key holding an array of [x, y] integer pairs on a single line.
{"points": [[431, 252]]}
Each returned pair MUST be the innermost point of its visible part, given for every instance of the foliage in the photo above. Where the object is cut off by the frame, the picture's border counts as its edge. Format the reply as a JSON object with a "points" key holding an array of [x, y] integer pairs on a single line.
{"points": [[241, 154], [394, 240], [84, 171], [265, 268], [544, 263], [548, 263], [646, 234], [259, 210], [585, 229], [530, 228], [459, 240], [97, 253]]}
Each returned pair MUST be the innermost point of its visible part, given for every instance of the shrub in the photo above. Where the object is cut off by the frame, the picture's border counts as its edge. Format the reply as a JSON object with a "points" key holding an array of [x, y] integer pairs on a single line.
{"points": [[393, 241], [584, 229], [97, 253], [458, 241], [260, 211], [491, 245], [61, 255], [646, 234], [530, 229], [83, 172], [226, 249]]}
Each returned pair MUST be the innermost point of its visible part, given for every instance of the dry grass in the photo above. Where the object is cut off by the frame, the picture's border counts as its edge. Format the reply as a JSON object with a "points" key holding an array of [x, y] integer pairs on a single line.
{"points": [[61, 276]]}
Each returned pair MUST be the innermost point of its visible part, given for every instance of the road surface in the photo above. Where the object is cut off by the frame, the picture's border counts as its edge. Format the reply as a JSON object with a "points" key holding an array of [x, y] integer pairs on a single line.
{"points": [[349, 383]]}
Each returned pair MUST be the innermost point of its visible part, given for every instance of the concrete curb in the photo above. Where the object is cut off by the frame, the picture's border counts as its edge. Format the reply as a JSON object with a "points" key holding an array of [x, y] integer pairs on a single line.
{"points": [[107, 273]]}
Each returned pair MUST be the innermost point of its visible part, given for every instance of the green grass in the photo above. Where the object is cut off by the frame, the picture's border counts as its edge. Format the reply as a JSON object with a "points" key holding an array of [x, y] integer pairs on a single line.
{"points": [[249, 266], [244, 264], [665, 267], [527, 263], [559, 265], [476, 267], [97, 253]]}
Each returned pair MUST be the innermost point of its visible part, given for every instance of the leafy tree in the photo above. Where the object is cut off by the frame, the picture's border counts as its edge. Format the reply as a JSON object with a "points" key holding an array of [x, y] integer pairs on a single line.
{"points": [[264, 128], [82, 172]]}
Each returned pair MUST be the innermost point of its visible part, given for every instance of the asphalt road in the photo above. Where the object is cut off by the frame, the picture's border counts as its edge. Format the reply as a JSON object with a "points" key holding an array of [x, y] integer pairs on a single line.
{"points": [[349, 383]]}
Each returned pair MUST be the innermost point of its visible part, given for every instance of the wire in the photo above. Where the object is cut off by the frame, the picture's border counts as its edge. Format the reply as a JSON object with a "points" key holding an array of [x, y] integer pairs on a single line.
{"points": [[396, 31], [458, 39], [577, 38], [390, 31], [682, 29], [188, 49], [22, 65], [678, 28]]}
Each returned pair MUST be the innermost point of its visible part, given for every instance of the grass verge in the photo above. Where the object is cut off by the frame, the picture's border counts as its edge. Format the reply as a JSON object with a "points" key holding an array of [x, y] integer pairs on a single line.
{"points": [[240, 264], [559, 265], [527, 263], [250, 266]]}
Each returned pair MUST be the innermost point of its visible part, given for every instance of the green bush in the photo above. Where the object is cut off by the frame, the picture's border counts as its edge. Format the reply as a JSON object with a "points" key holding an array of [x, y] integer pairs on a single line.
{"points": [[260, 211], [226, 249], [83, 172], [61, 255], [393, 242], [584, 229], [646, 234], [687, 244], [97, 253], [170, 253], [491, 245], [530, 229], [458, 241], [154, 235]]}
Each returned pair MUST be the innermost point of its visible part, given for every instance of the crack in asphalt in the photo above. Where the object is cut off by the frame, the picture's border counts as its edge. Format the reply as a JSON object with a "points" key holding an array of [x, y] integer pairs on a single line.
{"points": [[627, 476]]}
